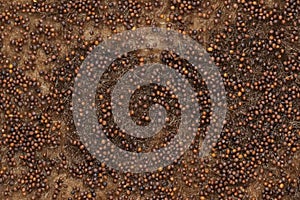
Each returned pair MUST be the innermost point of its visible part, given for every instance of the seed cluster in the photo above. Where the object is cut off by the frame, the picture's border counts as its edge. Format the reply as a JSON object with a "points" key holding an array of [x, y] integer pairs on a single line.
{"points": [[254, 44]]}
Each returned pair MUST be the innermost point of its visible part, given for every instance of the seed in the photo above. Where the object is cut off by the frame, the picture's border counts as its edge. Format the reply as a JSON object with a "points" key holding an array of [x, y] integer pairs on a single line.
{"points": [[210, 49]]}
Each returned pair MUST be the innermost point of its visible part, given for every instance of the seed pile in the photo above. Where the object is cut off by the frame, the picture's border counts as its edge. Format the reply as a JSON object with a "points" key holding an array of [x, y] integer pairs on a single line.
{"points": [[255, 45]]}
